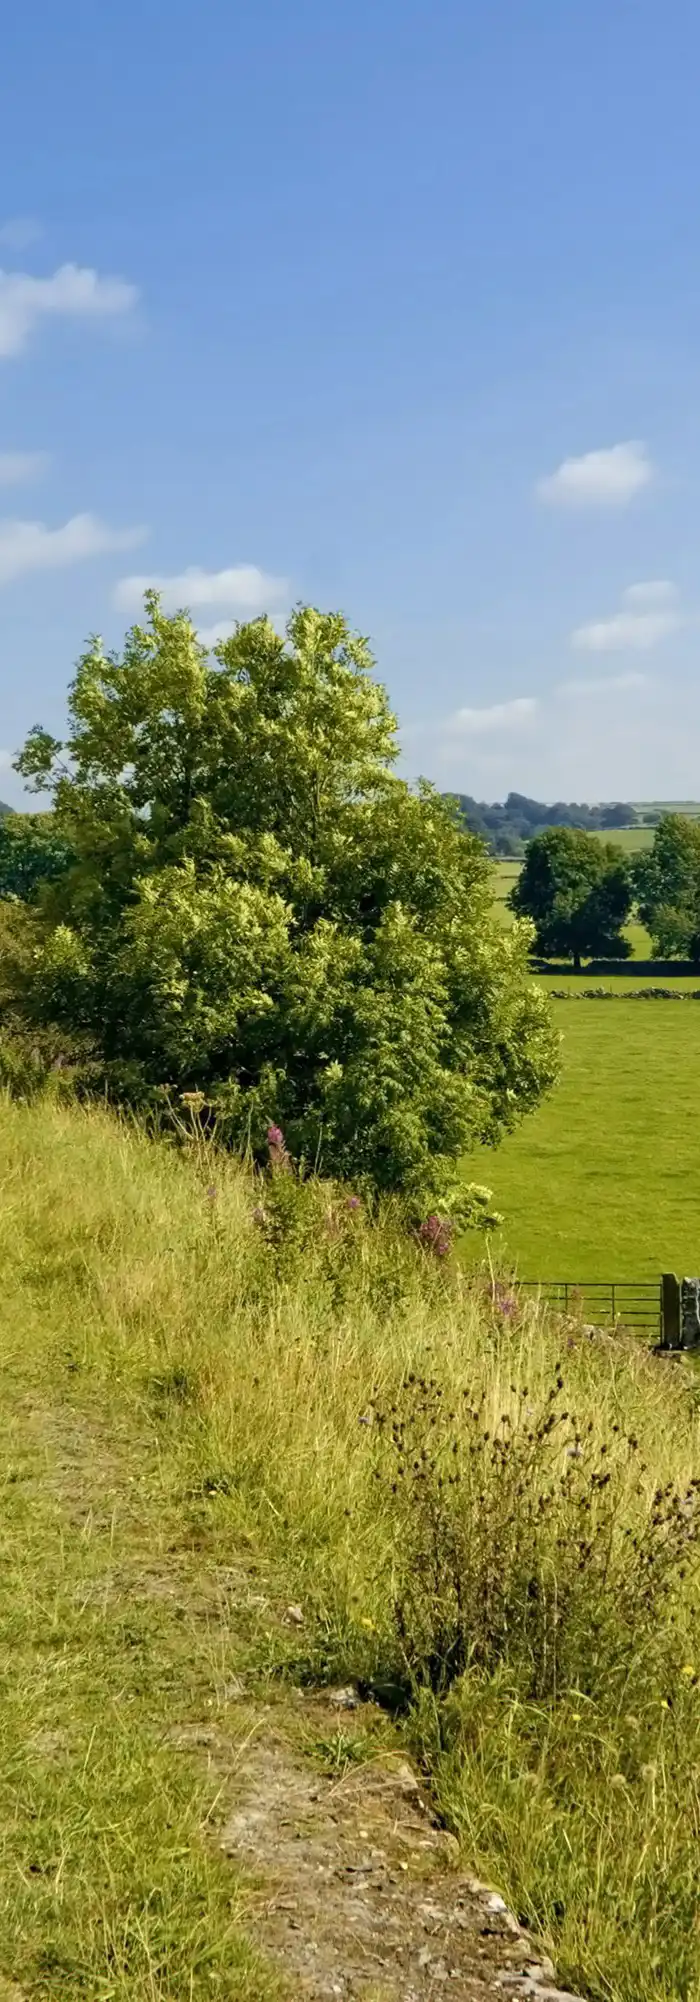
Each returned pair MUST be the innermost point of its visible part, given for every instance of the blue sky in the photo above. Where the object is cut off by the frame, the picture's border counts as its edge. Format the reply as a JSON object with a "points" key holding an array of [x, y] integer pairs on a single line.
{"points": [[390, 306]]}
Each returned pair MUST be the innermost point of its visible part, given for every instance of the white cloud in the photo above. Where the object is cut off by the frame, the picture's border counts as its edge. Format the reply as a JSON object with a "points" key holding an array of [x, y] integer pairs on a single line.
{"points": [[501, 716], [19, 231], [243, 588], [71, 293], [658, 592], [16, 468], [648, 615], [210, 635], [30, 545], [608, 478], [608, 684]]}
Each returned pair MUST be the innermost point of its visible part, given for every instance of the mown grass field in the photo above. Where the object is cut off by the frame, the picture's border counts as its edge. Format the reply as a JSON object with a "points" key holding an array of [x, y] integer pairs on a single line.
{"points": [[603, 1180], [601, 1183], [631, 839], [183, 1460]]}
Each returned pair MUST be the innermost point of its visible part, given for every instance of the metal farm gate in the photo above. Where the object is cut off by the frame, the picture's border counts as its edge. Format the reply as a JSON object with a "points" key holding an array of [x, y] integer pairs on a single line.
{"points": [[667, 1309], [606, 1303]]}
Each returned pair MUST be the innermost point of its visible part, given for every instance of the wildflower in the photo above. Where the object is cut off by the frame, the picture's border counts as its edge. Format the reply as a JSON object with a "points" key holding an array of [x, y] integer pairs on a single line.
{"points": [[504, 1301], [687, 1668], [353, 1203], [370, 1625], [435, 1234], [195, 1099], [279, 1157]]}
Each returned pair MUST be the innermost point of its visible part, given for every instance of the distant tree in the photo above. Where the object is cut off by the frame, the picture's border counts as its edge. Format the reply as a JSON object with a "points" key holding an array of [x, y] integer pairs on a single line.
{"points": [[578, 893], [260, 910], [519, 818], [667, 884], [617, 815], [32, 852]]}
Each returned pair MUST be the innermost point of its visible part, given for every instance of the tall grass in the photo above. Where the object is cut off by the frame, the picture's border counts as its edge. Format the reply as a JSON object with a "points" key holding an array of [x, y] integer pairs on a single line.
{"points": [[266, 1373]]}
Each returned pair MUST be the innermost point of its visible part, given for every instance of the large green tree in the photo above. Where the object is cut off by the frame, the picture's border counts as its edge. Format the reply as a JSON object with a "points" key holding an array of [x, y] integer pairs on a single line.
{"points": [[32, 852], [578, 893], [667, 883], [262, 910]]}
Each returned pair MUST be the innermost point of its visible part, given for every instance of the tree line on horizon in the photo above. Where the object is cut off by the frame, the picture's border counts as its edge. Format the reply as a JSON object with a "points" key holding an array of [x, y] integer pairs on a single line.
{"points": [[507, 827]]}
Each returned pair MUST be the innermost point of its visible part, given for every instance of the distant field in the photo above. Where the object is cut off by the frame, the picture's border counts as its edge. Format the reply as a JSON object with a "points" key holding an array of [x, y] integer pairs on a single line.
{"points": [[620, 983], [631, 839], [505, 875], [602, 1182], [689, 806]]}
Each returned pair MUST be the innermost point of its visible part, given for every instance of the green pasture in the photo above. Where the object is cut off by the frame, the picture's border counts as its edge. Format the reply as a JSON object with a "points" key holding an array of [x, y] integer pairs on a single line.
{"points": [[631, 839], [603, 1181]]}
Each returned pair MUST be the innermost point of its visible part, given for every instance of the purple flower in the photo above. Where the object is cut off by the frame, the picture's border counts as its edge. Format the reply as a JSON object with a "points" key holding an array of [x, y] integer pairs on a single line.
{"points": [[435, 1234], [505, 1301], [353, 1203], [275, 1136]]}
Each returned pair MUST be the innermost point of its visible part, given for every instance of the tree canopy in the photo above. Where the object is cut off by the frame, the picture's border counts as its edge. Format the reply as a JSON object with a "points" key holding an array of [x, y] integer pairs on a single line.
{"points": [[667, 883], [32, 852], [261, 910], [577, 891]]}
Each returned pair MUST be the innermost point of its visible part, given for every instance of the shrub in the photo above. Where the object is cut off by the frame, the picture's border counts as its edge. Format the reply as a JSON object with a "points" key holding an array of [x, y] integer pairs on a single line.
{"points": [[259, 909]]}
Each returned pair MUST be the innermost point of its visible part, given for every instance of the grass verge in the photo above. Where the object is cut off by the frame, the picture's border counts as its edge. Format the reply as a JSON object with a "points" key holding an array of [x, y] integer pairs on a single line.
{"points": [[193, 1446]]}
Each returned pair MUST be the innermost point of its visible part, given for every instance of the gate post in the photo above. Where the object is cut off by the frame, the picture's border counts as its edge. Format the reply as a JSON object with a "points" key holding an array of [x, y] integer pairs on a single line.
{"points": [[670, 1311]]}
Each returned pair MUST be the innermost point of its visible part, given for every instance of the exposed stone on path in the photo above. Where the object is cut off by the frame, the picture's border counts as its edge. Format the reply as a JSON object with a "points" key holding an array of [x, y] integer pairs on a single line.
{"points": [[361, 1897]]}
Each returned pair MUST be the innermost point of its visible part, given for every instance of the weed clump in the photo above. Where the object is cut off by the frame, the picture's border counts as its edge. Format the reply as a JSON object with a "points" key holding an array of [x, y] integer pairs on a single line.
{"points": [[524, 1541]]}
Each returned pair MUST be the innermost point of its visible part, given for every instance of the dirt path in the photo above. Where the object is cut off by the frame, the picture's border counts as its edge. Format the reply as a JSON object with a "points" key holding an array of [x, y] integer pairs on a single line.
{"points": [[362, 1895]]}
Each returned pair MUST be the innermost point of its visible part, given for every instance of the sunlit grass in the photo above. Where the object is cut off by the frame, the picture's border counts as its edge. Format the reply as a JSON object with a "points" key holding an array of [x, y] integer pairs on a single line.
{"points": [[601, 1183], [181, 1422]]}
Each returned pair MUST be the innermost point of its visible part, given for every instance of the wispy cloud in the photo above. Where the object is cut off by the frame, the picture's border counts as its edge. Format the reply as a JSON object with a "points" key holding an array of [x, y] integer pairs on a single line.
{"points": [[500, 716], [19, 231], [243, 588], [30, 545], [659, 591], [597, 685], [607, 478], [649, 614], [71, 293], [18, 468]]}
